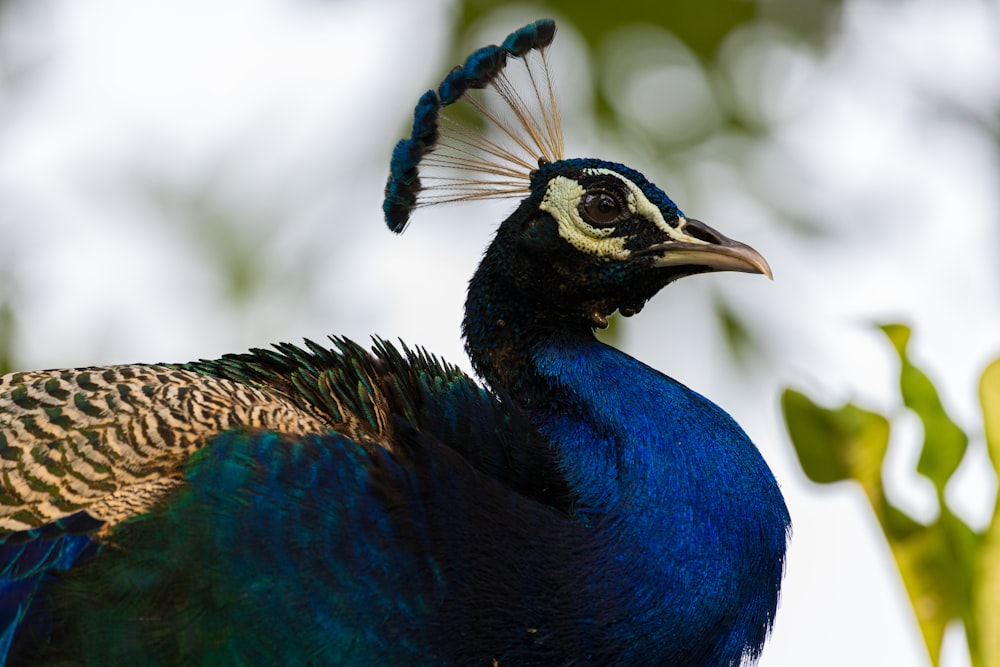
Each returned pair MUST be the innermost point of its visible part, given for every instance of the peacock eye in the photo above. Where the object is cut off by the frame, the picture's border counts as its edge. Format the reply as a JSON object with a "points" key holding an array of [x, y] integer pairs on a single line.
{"points": [[600, 208]]}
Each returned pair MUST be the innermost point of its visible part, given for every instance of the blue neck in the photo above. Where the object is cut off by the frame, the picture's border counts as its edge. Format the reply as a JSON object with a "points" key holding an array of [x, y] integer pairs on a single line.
{"points": [[684, 494], [686, 526]]}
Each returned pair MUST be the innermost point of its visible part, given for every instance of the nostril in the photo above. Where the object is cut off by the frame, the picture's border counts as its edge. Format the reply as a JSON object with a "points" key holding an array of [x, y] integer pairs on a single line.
{"points": [[701, 231]]}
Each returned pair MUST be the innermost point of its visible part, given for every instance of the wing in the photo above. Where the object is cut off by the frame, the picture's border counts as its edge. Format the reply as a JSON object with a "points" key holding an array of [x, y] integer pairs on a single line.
{"points": [[317, 550], [113, 440], [84, 450], [110, 441], [364, 393], [27, 561]]}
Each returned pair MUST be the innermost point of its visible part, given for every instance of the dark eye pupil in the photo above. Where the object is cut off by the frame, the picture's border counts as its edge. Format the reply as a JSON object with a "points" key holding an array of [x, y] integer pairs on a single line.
{"points": [[600, 208]]}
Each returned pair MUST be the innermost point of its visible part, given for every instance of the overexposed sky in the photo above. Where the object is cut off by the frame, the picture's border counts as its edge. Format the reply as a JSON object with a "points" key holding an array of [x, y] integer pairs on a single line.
{"points": [[290, 109]]}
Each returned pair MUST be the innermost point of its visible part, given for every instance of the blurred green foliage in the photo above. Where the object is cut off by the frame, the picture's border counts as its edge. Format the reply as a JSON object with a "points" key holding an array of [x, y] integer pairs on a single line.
{"points": [[701, 25], [951, 572], [237, 242], [6, 337]]}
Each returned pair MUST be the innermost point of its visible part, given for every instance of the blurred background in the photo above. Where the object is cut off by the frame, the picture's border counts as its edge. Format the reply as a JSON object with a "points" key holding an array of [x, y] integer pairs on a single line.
{"points": [[181, 180]]}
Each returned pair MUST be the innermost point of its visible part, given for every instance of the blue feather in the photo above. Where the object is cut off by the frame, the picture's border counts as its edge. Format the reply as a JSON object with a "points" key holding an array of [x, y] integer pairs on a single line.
{"points": [[29, 561], [656, 460], [531, 37]]}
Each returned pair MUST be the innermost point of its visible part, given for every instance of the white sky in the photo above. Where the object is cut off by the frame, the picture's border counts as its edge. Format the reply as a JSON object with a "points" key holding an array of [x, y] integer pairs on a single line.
{"points": [[293, 108]]}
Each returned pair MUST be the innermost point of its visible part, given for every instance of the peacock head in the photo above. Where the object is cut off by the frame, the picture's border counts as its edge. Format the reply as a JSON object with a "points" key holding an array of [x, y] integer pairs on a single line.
{"points": [[590, 237], [597, 237]]}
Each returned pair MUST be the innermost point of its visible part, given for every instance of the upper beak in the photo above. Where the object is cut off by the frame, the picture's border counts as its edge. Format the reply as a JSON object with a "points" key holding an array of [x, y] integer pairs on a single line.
{"points": [[707, 248]]}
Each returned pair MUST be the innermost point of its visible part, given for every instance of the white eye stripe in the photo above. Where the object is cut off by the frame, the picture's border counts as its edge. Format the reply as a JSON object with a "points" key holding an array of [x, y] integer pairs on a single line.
{"points": [[639, 204], [562, 201]]}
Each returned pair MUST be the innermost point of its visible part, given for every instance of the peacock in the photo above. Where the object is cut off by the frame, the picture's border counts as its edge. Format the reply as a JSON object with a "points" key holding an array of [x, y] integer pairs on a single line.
{"points": [[343, 504]]}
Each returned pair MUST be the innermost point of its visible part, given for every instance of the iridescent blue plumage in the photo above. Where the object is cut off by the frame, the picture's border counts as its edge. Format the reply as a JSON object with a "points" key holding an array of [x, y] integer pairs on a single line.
{"points": [[335, 505], [657, 461], [29, 561]]}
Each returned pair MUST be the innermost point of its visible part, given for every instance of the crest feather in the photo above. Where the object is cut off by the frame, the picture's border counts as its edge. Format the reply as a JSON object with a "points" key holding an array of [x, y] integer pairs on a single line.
{"points": [[447, 160]]}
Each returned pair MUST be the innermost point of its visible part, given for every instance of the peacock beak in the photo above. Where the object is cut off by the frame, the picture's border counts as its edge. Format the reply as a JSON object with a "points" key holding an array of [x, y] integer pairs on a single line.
{"points": [[699, 245]]}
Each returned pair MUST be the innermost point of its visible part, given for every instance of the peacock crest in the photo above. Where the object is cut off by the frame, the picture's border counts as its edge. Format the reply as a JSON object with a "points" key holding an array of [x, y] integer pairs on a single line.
{"points": [[446, 159]]}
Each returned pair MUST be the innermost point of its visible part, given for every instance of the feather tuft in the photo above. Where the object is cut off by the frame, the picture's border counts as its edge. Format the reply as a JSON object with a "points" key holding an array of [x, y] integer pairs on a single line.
{"points": [[464, 163]]}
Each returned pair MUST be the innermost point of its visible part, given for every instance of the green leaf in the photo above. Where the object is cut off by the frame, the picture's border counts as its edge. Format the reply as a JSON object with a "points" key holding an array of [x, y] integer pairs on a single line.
{"points": [[950, 572], [850, 443], [944, 442], [989, 398], [898, 335], [935, 563], [986, 585], [836, 444]]}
